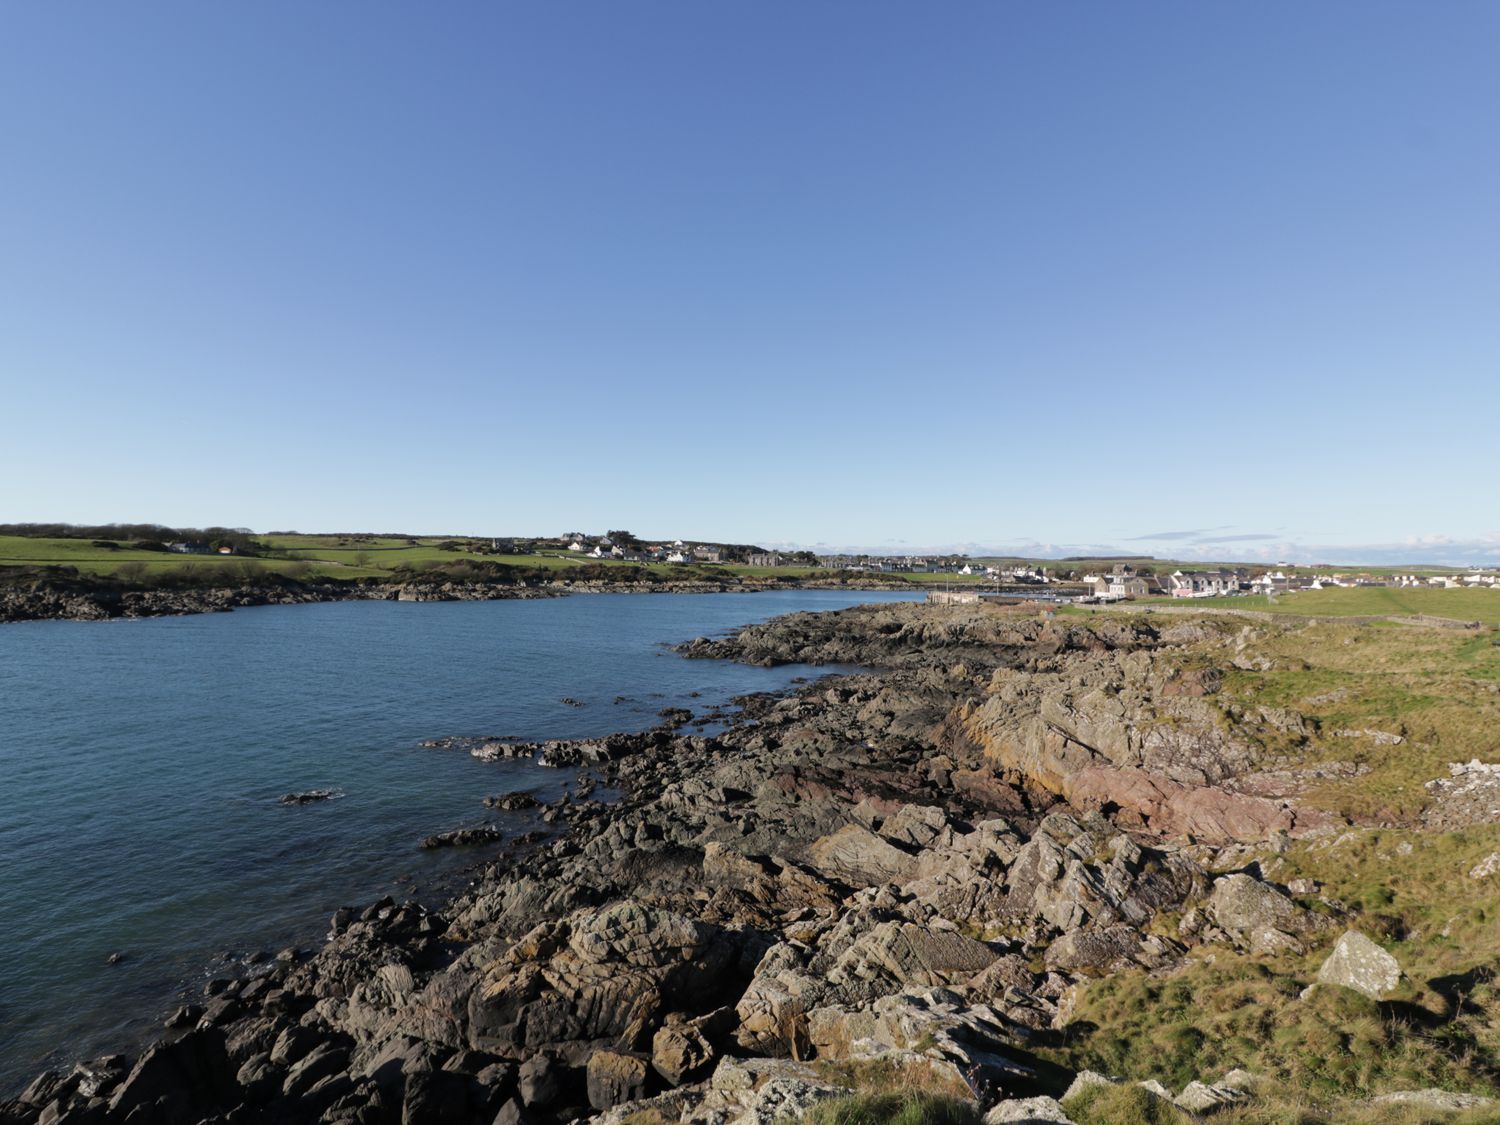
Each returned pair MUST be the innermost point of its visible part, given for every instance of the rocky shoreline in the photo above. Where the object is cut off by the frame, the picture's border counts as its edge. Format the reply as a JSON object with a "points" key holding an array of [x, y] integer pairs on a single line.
{"points": [[79, 600], [910, 869]]}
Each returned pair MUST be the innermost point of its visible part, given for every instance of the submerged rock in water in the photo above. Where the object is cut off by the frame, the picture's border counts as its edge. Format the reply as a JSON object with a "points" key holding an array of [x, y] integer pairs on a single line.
{"points": [[464, 837], [512, 802], [310, 796]]}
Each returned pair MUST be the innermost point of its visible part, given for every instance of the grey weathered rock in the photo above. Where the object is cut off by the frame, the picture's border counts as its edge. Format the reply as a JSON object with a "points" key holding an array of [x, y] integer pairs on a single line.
{"points": [[1094, 950], [1258, 916], [859, 857], [1198, 1097], [961, 1044], [1358, 963], [764, 1091], [1028, 1111], [896, 955], [638, 935], [1446, 1100], [1489, 865], [1087, 1080]]}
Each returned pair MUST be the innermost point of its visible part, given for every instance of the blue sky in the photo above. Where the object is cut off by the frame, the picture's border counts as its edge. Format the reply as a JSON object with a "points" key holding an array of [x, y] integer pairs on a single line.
{"points": [[1204, 280]]}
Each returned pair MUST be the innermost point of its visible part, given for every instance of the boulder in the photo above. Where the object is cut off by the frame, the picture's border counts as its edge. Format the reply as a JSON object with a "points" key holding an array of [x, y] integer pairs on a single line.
{"points": [[860, 858], [1094, 951], [639, 935], [539, 1081], [680, 1052], [435, 1098], [965, 1047], [615, 1077], [896, 955], [773, 1012], [1258, 916], [1198, 1097], [1087, 1080], [177, 1081], [1358, 963], [764, 1091], [914, 825]]}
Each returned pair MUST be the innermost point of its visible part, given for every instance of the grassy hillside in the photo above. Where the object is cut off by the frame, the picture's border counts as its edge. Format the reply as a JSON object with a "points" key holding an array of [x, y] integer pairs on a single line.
{"points": [[319, 557], [1403, 881]]}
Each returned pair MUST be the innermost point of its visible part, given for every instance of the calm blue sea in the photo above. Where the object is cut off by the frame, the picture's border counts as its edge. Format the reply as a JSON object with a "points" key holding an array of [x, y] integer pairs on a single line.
{"points": [[141, 764]]}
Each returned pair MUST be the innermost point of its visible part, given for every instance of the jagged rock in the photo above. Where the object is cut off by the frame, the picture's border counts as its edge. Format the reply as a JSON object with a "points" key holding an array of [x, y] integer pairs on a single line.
{"points": [[1258, 916], [323, 1061], [538, 1081], [914, 825], [464, 837], [293, 1044], [773, 1008], [639, 935], [965, 1046], [510, 1113], [512, 802], [605, 976], [435, 1097], [615, 1077], [1358, 963], [860, 858], [764, 1091], [174, 1081], [896, 955], [680, 1052], [1094, 951]]}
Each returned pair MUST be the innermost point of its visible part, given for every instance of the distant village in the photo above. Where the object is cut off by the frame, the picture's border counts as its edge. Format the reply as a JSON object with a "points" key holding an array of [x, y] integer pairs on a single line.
{"points": [[1057, 581]]}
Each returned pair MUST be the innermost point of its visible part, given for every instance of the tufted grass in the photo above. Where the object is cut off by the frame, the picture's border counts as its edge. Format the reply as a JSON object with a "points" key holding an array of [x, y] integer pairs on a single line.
{"points": [[1438, 689], [1123, 1105], [909, 1107], [1410, 891]]}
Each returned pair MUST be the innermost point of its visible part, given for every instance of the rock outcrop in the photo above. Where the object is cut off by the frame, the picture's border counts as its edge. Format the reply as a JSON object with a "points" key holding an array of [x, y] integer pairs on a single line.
{"points": [[916, 867]]}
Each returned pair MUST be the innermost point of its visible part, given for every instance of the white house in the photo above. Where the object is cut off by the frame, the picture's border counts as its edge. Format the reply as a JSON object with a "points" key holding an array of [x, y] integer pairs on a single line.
{"points": [[1202, 583]]}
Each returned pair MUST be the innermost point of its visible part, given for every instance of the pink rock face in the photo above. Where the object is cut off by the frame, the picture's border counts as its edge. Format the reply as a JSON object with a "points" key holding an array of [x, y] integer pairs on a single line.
{"points": [[1202, 812]]}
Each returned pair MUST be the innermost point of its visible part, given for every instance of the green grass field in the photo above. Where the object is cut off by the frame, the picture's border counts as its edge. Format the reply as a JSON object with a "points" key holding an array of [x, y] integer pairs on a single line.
{"points": [[1375, 601], [358, 556], [334, 556]]}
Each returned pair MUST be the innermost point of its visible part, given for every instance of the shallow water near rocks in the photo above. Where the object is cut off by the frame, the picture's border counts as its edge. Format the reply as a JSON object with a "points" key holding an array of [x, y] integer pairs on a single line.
{"points": [[142, 765]]}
